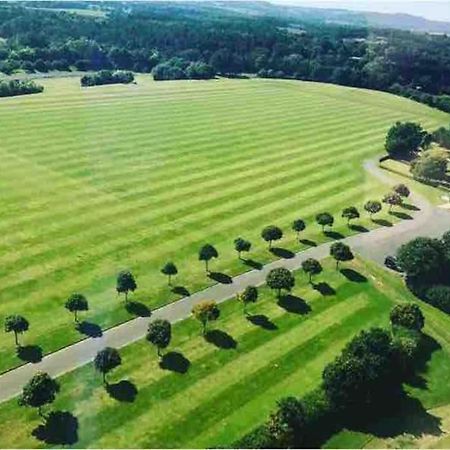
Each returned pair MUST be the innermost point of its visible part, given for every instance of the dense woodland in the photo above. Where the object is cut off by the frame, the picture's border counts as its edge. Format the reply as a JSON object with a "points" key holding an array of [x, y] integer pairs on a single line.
{"points": [[197, 41]]}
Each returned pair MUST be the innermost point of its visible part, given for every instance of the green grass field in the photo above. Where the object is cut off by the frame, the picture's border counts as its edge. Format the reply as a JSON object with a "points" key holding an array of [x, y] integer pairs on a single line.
{"points": [[100, 179], [225, 392]]}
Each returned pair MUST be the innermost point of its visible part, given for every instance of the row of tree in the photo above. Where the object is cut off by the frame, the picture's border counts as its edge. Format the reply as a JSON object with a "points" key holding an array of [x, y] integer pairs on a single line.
{"points": [[107, 77], [10, 88], [180, 69]]}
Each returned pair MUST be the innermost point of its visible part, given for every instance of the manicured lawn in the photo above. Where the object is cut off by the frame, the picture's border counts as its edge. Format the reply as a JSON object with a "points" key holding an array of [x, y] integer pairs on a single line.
{"points": [[231, 383], [100, 179]]}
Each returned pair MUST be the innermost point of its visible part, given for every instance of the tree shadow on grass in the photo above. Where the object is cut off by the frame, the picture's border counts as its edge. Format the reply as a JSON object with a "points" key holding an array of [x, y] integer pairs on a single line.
{"points": [[358, 228], [382, 222], [410, 207], [181, 290], [138, 309], [60, 428], [353, 275], [123, 391], [333, 235], [175, 362], [90, 329], [324, 288], [220, 277], [252, 263], [30, 353], [221, 339], [282, 252], [401, 215], [308, 242], [294, 304], [262, 321]]}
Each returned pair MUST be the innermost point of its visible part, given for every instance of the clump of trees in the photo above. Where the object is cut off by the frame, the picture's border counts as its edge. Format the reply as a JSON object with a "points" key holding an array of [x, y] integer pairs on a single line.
{"points": [[11, 88], [404, 139], [430, 166], [181, 69], [107, 77]]}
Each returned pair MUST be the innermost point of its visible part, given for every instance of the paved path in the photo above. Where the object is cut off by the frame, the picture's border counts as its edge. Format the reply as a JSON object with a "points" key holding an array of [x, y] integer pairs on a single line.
{"points": [[375, 245]]}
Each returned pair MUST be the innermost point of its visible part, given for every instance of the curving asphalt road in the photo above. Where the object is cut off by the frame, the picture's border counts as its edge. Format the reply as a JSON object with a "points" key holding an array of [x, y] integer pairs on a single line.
{"points": [[375, 245]]}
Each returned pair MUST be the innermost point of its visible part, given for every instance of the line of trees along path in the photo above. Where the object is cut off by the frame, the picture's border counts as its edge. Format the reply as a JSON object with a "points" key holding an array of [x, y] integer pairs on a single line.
{"points": [[375, 245]]}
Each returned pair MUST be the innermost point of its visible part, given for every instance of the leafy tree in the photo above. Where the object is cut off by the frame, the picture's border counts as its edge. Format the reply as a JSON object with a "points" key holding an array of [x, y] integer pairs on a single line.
{"points": [[280, 278], [350, 213], [205, 312], [169, 269], [392, 199], [271, 233], [106, 360], [206, 253], [287, 424], [422, 259], [159, 334], [438, 295], [125, 283], [373, 207], [325, 220], [298, 226], [404, 139], [16, 324], [402, 190], [247, 296], [312, 267], [41, 390], [241, 245], [340, 252], [430, 166], [75, 303], [408, 315]]}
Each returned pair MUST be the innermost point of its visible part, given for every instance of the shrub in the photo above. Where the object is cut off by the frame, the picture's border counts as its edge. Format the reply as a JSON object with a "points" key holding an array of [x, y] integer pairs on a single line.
{"points": [[430, 166], [439, 297], [107, 77], [10, 88], [407, 315]]}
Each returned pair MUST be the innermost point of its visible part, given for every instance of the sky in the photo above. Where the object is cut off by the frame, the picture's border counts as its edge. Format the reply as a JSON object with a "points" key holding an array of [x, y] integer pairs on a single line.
{"points": [[431, 9]]}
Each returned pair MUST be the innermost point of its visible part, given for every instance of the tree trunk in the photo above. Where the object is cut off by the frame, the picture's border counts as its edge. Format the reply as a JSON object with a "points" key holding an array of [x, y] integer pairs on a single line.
{"points": [[310, 278], [170, 279], [239, 255], [204, 327], [16, 338], [76, 316], [270, 244], [126, 296], [337, 264], [104, 378], [206, 266], [159, 351]]}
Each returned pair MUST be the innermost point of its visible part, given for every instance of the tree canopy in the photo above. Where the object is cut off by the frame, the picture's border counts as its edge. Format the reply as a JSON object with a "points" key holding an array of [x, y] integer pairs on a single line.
{"points": [[75, 303], [280, 279], [404, 139], [271, 233], [340, 252], [125, 283], [41, 390], [106, 360], [407, 315], [159, 334], [325, 219], [205, 312]]}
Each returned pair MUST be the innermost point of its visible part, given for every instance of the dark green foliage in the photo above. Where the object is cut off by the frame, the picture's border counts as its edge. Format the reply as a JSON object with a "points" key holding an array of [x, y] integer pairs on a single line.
{"points": [[107, 77], [75, 303], [439, 296], [16, 324], [325, 219], [340, 252], [373, 207], [298, 226], [242, 245], [41, 390], [407, 315], [271, 233], [247, 296], [404, 139], [10, 88], [125, 283], [159, 334], [279, 279], [402, 190], [312, 267], [257, 438], [206, 253], [181, 69], [350, 213], [169, 269], [107, 360], [442, 136], [392, 199]]}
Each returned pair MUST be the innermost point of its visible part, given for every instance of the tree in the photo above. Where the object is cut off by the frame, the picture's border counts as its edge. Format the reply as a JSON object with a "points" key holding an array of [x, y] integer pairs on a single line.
{"points": [[312, 267], [169, 269], [159, 334], [41, 390], [248, 295], [17, 324], [373, 207], [407, 315], [107, 360], [430, 166], [125, 283], [340, 252], [350, 213], [325, 219], [75, 303], [298, 226], [392, 199], [404, 139], [280, 278], [206, 253], [205, 312], [241, 245], [286, 425], [271, 233], [402, 190]]}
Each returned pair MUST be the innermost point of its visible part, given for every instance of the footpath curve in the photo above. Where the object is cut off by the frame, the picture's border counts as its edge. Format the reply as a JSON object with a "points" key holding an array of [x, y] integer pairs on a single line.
{"points": [[375, 245]]}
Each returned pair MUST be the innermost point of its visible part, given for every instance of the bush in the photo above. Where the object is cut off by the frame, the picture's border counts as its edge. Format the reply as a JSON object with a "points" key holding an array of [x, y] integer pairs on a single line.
{"points": [[439, 297], [107, 77], [407, 315], [10, 88], [430, 166]]}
